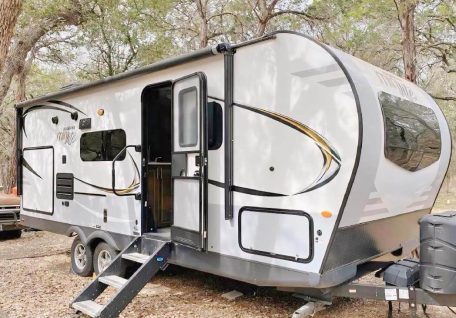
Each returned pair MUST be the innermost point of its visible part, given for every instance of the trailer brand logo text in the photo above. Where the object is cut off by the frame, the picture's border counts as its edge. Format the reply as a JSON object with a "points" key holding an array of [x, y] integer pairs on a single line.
{"points": [[67, 136], [391, 81]]}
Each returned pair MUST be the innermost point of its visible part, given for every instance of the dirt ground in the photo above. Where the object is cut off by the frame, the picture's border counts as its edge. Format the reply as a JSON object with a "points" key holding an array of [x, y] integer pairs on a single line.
{"points": [[35, 281]]}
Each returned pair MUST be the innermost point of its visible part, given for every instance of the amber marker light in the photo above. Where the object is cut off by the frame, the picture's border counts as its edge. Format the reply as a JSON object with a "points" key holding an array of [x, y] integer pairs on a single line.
{"points": [[326, 214], [100, 111]]}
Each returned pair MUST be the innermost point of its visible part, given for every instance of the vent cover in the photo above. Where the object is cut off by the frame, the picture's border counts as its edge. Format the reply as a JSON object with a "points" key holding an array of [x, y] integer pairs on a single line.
{"points": [[64, 187]]}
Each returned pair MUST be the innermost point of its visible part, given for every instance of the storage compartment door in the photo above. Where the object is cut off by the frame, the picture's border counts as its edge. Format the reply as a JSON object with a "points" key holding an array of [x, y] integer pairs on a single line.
{"points": [[284, 234], [38, 179]]}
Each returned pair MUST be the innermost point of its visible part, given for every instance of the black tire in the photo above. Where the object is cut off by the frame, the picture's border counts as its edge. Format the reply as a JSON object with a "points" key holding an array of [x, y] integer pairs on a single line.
{"points": [[15, 234], [102, 250], [8, 235], [81, 258]]}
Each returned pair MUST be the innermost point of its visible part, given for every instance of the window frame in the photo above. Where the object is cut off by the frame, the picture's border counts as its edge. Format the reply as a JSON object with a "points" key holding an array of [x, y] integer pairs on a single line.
{"points": [[103, 137]]}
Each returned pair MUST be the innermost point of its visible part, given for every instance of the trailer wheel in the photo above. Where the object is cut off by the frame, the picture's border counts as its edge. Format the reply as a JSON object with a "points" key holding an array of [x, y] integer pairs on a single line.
{"points": [[103, 256], [81, 258]]}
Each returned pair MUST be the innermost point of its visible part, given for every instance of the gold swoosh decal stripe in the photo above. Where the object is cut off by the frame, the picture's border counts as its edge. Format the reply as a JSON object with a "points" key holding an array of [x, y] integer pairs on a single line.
{"points": [[330, 155]]}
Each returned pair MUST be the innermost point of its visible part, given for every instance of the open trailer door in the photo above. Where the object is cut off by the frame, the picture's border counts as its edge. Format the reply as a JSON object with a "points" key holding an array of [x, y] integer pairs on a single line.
{"points": [[189, 161]]}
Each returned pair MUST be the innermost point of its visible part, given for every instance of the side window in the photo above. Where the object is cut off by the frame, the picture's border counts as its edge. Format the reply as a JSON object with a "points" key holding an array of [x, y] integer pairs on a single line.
{"points": [[188, 117], [214, 125], [412, 133], [102, 145]]}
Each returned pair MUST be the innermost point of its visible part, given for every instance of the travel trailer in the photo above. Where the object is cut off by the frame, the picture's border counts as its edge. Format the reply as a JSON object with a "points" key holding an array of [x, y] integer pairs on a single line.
{"points": [[279, 162]]}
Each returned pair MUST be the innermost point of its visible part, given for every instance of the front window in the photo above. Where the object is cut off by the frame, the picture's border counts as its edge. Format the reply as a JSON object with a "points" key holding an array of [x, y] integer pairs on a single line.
{"points": [[412, 133]]}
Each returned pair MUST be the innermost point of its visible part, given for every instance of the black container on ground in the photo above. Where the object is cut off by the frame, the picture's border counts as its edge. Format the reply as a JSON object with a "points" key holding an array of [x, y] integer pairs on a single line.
{"points": [[438, 253]]}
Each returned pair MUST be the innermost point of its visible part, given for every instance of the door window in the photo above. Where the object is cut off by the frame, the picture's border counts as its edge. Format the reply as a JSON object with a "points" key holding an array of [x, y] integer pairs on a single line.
{"points": [[187, 114], [188, 117]]}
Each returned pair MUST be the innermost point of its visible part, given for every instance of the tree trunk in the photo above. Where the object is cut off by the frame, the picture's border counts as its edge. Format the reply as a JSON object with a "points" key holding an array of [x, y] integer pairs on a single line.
{"points": [[9, 11], [10, 180], [262, 14], [203, 32], [21, 77], [406, 17], [11, 171], [261, 28]]}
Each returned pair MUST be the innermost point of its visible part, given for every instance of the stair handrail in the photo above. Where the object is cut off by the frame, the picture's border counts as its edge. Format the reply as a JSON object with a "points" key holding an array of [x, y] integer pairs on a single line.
{"points": [[137, 149]]}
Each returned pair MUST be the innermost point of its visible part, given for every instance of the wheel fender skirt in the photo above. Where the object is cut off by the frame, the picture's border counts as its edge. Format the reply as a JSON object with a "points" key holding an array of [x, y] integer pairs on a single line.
{"points": [[87, 238], [105, 237], [78, 231]]}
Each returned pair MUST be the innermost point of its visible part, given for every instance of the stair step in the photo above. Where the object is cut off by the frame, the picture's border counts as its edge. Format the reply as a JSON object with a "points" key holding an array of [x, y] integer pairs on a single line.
{"points": [[113, 280], [88, 307], [136, 257], [127, 289]]}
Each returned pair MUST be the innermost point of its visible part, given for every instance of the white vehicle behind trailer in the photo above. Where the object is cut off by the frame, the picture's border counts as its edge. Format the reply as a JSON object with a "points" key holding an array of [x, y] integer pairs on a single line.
{"points": [[279, 162], [9, 216]]}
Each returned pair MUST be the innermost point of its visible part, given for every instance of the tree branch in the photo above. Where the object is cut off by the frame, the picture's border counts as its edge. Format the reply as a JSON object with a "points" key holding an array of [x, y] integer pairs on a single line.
{"points": [[27, 39], [300, 13], [445, 98]]}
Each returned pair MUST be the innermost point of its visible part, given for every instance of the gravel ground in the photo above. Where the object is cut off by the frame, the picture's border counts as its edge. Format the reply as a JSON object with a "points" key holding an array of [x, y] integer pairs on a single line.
{"points": [[36, 282]]}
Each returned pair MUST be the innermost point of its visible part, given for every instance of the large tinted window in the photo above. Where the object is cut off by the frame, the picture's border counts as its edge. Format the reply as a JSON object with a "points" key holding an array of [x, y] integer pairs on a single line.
{"points": [[103, 145], [412, 134]]}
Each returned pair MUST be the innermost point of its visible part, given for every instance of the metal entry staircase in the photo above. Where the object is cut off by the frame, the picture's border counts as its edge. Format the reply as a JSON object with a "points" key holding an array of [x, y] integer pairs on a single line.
{"points": [[148, 256]]}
